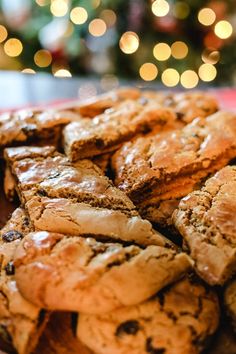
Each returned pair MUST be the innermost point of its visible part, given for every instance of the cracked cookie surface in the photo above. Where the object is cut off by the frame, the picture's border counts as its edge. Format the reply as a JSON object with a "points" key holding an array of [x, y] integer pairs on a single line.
{"points": [[178, 321], [207, 221], [168, 166], [84, 275]]}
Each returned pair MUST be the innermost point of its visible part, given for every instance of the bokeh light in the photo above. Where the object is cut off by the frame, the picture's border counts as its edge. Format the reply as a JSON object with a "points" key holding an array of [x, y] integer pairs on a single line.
{"points": [[13, 47], [59, 8], [62, 73], [109, 17], [160, 8], [86, 91], [210, 56], [206, 16], [162, 51], [223, 29], [179, 50], [129, 42], [189, 79], [96, 3], [181, 10], [109, 82], [28, 71], [170, 77], [207, 72], [148, 71], [78, 15], [42, 58], [42, 2], [97, 27], [3, 33]]}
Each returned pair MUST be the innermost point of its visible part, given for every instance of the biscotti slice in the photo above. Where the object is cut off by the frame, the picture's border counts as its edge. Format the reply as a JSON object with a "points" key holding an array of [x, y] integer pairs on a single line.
{"points": [[179, 320], [33, 126], [230, 301], [167, 166], [106, 132], [83, 275], [77, 198], [207, 221], [21, 322]]}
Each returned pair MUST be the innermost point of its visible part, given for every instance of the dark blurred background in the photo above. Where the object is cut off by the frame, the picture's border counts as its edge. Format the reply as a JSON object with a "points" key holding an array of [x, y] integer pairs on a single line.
{"points": [[186, 43]]}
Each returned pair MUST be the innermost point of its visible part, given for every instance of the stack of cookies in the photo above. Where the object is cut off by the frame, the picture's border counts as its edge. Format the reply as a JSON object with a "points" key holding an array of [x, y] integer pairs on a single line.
{"points": [[94, 183]]}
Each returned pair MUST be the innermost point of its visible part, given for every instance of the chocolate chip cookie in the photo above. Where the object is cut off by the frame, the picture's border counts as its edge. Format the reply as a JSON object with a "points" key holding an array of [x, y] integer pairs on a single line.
{"points": [[177, 321], [84, 275], [230, 301]]}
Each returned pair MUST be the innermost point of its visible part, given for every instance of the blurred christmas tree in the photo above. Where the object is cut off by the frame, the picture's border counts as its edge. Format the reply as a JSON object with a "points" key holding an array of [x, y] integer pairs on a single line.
{"points": [[172, 41]]}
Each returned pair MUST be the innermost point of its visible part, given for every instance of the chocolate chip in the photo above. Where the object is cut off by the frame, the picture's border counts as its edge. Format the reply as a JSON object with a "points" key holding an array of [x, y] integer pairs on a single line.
{"points": [[26, 221], [180, 115], [12, 236], [99, 143], [42, 193], [150, 349], [128, 327], [10, 268]]}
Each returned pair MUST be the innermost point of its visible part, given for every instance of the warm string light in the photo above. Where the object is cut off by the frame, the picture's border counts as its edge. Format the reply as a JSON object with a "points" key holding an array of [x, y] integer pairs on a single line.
{"points": [[62, 73], [179, 50], [42, 58], [210, 56], [3, 33], [189, 79], [97, 27], [78, 15], [129, 42], [148, 72], [28, 71], [160, 8], [42, 2], [170, 77], [206, 16], [223, 29], [162, 51], [109, 17], [13, 47], [59, 8], [207, 72]]}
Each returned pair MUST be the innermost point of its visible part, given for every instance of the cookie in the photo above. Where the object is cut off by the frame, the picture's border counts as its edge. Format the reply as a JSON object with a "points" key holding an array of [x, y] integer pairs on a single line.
{"points": [[75, 199], [106, 132], [178, 321], [207, 221], [83, 275], [21, 322], [230, 301], [167, 166]]}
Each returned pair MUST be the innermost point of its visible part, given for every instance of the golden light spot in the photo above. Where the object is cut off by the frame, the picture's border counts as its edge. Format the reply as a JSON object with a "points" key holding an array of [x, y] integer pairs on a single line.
{"points": [[179, 50], [78, 15], [223, 29], [206, 16], [42, 2], [28, 71], [109, 82], [162, 51], [160, 8], [170, 77], [13, 47], [109, 17], [181, 10], [129, 42], [59, 8], [42, 58], [189, 79], [97, 27], [96, 3], [210, 56], [62, 73], [3, 33], [207, 72], [148, 72]]}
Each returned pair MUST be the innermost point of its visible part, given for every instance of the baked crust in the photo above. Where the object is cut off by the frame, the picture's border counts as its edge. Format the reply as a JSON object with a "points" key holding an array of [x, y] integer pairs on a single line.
{"points": [[84, 275], [20, 321], [179, 320], [207, 221], [170, 165]]}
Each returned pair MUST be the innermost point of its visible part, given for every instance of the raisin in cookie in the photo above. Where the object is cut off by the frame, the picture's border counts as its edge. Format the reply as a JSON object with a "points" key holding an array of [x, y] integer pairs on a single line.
{"points": [[81, 274], [178, 321]]}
